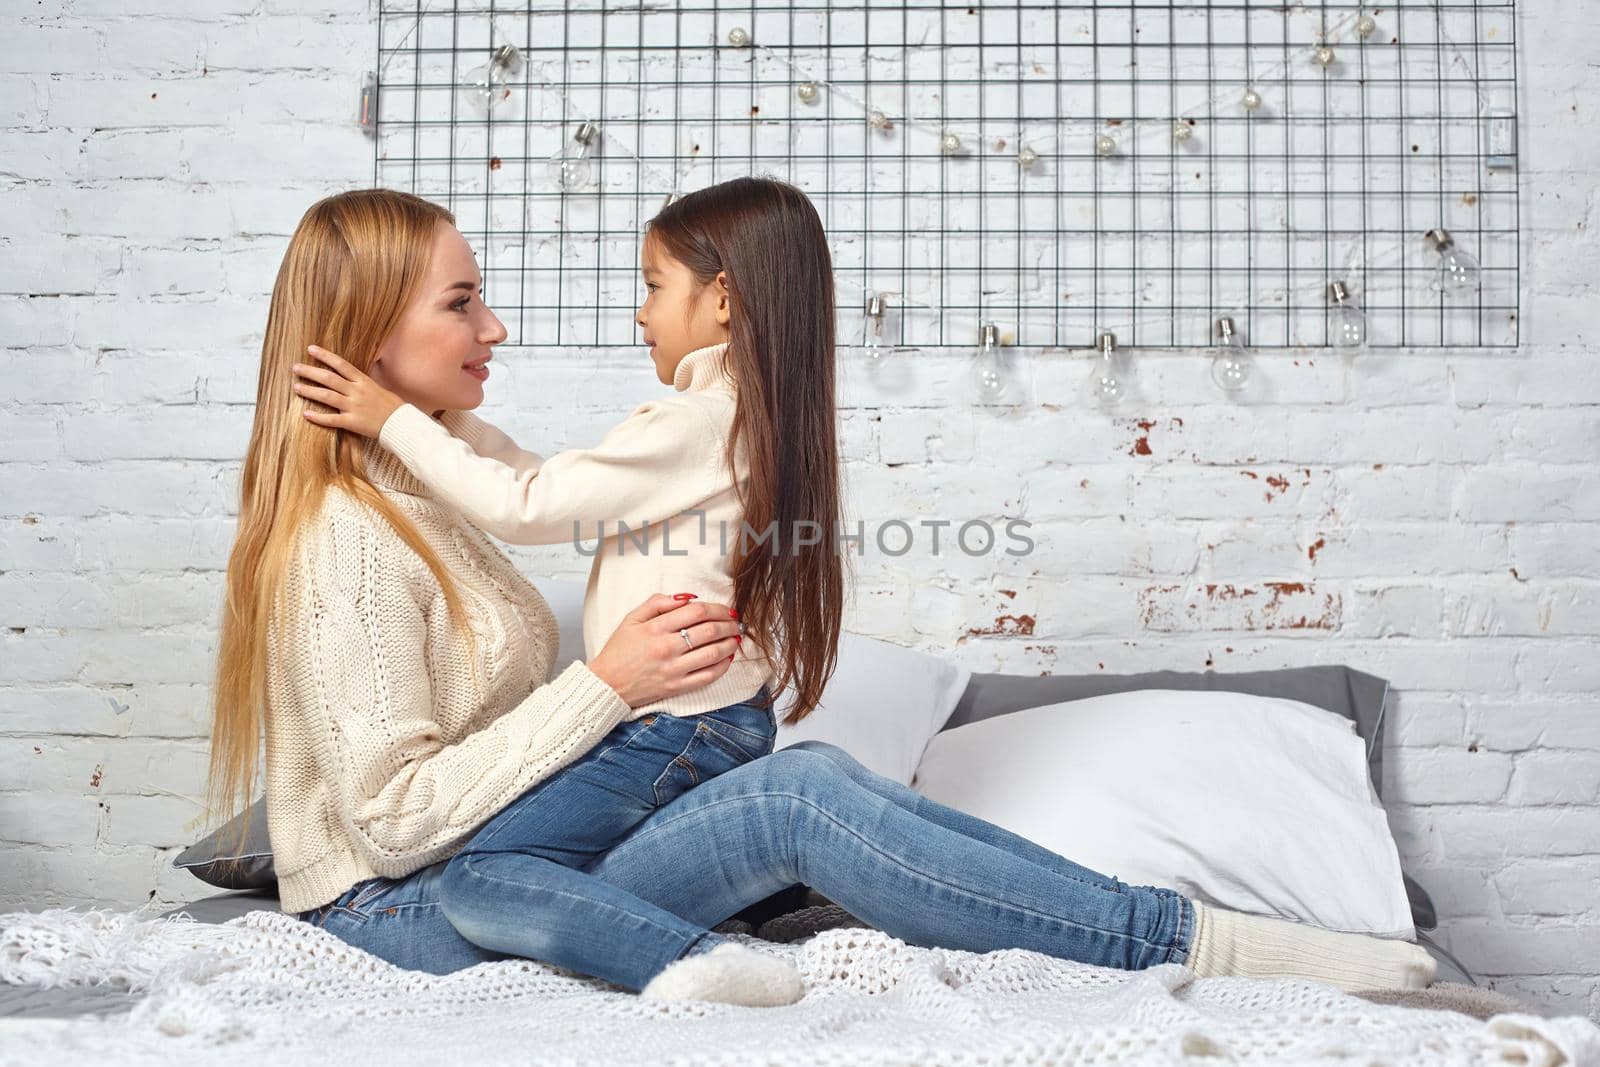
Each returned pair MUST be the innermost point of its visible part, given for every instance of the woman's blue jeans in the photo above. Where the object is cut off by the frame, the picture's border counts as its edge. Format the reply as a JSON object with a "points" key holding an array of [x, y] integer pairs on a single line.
{"points": [[916, 869]]}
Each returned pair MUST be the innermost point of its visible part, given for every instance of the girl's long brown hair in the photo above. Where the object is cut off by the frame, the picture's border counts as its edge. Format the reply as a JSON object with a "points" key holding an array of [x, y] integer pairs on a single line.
{"points": [[766, 235], [350, 270]]}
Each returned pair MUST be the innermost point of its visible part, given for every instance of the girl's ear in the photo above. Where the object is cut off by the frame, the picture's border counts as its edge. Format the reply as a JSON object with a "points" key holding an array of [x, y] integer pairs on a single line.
{"points": [[723, 313]]}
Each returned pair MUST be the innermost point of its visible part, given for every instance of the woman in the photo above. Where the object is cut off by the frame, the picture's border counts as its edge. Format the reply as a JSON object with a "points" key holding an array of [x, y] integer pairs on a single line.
{"points": [[397, 664]]}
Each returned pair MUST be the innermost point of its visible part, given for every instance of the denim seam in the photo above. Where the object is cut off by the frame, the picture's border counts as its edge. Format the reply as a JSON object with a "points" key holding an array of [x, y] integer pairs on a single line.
{"points": [[899, 863], [411, 906], [739, 750], [375, 888], [761, 738], [680, 760]]}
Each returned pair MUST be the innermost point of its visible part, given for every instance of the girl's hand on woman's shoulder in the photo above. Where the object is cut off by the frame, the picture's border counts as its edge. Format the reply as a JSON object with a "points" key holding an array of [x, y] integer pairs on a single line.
{"points": [[647, 658], [359, 404]]}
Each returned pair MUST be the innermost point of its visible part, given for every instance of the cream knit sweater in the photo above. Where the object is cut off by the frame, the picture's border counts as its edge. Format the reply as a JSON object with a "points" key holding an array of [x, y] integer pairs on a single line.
{"points": [[387, 744], [662, 473]]}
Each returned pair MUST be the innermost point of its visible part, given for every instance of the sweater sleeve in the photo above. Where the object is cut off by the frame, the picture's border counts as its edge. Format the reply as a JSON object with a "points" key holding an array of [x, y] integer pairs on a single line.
{"points": [[663, 459], [357, 672], [489, 440]]}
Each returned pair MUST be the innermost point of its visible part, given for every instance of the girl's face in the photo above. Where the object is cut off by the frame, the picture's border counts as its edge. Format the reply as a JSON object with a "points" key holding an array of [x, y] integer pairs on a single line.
{"points": [[675, 318], [437, 356]]}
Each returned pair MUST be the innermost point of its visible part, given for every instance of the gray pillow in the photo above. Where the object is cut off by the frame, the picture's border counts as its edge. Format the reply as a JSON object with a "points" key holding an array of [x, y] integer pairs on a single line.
{"points": [[215, 861]]}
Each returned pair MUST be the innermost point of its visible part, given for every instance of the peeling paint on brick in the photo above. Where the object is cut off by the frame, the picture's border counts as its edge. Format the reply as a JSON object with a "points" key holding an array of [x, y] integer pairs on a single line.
{"points": [[1007, 625]]}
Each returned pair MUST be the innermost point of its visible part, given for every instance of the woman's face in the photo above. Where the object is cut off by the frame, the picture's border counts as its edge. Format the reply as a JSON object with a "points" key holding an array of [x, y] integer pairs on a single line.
{"points": [[437, 355], [676, 319]]}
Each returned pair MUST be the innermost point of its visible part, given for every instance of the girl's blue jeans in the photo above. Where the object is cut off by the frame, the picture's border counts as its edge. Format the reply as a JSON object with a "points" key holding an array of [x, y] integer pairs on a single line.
{"points": [[524, 885]]}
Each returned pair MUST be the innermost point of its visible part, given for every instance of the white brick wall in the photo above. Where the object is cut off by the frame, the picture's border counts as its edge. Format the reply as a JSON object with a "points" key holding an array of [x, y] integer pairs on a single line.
{"points": [[1431, 517]]}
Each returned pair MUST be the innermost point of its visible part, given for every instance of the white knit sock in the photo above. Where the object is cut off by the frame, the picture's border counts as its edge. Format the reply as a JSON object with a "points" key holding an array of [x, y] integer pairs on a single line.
{"points": [[728, 974], [1254, 946]]}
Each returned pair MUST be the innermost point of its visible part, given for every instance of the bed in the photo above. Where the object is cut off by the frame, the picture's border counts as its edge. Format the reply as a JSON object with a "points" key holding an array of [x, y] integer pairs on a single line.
{"points": [[205, 987], [229, 976]]}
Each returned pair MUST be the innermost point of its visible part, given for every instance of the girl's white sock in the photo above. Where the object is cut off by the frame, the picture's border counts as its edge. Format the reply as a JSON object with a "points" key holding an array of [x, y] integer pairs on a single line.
{"points": [[1254, 946], [728, 974]]}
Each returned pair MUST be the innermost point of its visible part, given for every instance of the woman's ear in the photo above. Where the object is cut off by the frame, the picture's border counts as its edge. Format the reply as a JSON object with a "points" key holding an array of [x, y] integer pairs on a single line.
{"points": [[724, 314]]}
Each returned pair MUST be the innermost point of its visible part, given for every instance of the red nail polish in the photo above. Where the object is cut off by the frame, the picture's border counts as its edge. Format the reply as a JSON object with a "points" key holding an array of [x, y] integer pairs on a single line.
{"points": [[683, 596], [738, 639], [735, 614]]}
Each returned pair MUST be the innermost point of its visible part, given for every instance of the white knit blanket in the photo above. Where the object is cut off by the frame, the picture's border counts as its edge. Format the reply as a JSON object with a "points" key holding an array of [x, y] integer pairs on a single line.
{"points": [[268, 988]]}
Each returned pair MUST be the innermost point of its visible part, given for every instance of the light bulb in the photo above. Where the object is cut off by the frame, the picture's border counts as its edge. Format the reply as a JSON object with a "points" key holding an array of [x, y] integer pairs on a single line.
{"points": [[1105, 144], [1182, 131], [993, 381], [872, 339], [807, 92], [880, 122], [1456, 272], [1349, 323], [1103, 380], [1027, 158], [1323, 56], [1366, 25], [1231, 366], [1251, 100], [570, 168], [950, 143], [484, 88], [738, 37]]}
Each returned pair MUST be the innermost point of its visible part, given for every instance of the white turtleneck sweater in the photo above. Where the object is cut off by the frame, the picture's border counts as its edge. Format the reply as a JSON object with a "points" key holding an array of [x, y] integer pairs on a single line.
{"points": [[662, 473], [389, 743]]}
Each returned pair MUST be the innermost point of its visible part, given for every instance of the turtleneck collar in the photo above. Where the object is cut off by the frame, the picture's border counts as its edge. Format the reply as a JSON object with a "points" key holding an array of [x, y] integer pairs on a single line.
{"points": [[702, 369]]}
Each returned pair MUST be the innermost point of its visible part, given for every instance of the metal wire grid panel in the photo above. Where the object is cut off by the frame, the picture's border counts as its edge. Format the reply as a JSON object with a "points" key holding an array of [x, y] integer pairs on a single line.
{"points": [[1119, 221]]}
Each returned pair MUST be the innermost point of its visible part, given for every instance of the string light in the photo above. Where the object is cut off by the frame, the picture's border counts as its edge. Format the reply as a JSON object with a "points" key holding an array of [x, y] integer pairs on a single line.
{"points": [[570, 168], [1366, 25], [1105, 144], [1252, 99], [1231, 366], [739, 37], [1349, 321], [484, 88], [1323, 56], [950, 143], [993, 379], [1182, 131], [807, 92], [1104, 382], [1026, 158], [877, 305], [1456, 270]]}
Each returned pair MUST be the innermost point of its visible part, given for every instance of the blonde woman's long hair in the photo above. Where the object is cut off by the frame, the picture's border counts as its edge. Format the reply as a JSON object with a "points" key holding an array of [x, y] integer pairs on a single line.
{"points": [[350, 271]]}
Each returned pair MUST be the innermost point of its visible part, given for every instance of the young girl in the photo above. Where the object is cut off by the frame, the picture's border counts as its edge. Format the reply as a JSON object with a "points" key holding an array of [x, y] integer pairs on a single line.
{"points": [[729, 487]]}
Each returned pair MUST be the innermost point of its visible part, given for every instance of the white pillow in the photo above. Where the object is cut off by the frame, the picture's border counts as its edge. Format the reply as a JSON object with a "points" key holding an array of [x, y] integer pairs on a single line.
{"points": [[881, 705], [1257, 804]]}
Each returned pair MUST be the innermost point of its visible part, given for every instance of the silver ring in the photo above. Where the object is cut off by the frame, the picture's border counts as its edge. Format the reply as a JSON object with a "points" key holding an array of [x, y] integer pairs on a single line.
{"points": [[684, 633]]}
